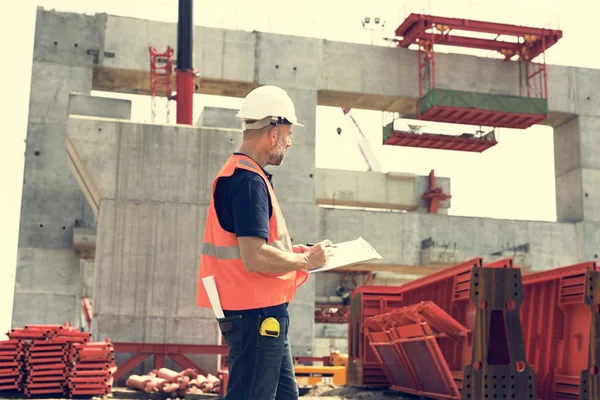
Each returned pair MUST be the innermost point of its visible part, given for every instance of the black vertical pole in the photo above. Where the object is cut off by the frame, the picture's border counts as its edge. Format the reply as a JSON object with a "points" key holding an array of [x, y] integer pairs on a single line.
{"points": [[186, 85]]}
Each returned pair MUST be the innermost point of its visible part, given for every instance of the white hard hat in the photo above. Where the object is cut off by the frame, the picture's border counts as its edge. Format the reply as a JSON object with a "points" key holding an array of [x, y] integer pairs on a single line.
{"points": [[265, 105]]}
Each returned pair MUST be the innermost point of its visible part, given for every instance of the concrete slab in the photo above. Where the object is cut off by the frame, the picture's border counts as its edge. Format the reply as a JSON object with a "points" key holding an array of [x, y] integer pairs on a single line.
{"points": [[398, 236], [95, 106], [218, 117]]}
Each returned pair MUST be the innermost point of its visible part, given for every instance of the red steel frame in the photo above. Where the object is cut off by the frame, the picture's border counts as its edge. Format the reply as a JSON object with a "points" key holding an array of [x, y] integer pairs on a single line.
{"points": [[411, 332], [366, 301], [442, 142], [560, 325], [339, 313], [331, 313], [434, 194], [161, 351], [161, 71], [481, 300], [533, 42]]}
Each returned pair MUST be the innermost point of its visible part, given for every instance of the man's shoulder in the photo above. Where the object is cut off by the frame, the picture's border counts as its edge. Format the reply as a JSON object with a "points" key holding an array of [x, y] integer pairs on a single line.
{"points": [[241, 175], [241, 178]]}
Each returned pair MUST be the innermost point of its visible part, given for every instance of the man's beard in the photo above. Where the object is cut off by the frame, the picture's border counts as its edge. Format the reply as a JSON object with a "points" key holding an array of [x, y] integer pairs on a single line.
{"points": [[277, 154]]}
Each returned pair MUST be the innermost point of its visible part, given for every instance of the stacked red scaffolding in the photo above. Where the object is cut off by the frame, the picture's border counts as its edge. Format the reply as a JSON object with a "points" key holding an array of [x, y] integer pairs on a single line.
{"points": [[11, 364], [46, 366], [93, 369], [57, 360]]}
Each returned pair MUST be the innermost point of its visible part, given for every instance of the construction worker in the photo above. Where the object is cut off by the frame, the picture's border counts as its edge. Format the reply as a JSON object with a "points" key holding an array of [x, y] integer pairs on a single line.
{"points": [[248, 250]]}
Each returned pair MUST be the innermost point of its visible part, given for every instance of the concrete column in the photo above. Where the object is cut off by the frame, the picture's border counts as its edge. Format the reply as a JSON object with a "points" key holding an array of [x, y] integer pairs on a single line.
{"points": [[577, 172], [294, 184], [150, 187], [577, 169], [47, 268]]}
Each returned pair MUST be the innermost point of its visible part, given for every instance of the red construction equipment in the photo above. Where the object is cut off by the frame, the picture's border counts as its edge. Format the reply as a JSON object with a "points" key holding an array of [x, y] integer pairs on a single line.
{"points": [[464, 340], [161, 74], [561, 328], [411, 333], [434, 194], [367, 301], [466, 142], [471, 108], [86, 308], [55, 359], [160, 352]]}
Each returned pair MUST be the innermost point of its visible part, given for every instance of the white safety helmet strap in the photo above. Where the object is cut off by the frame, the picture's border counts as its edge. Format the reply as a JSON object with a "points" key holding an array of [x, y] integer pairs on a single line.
{"points": [[261, 123]]}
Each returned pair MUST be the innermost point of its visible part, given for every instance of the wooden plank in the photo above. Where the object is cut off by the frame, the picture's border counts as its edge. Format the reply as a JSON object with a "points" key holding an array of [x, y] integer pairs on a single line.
{"points": [[138, 82]]}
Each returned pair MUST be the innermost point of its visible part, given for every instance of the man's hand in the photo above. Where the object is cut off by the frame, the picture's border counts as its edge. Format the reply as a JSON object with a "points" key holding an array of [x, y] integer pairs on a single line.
{"points": [[300, 248], [319, 254]]}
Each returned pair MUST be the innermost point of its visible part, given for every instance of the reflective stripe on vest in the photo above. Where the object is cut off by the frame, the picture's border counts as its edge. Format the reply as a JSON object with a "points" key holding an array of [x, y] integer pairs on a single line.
{"points": [[233, 252]]}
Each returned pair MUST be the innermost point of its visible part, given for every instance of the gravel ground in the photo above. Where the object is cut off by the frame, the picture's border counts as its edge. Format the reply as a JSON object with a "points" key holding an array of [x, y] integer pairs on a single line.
{"points": [[331, 392]]}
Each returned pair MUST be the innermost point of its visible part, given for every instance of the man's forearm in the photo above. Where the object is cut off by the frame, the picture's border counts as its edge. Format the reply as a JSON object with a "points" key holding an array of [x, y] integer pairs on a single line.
{"points": [[270, 260]]}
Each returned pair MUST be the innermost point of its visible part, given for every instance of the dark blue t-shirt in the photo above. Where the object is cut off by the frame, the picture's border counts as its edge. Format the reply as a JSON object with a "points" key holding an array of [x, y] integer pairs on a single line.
{"points": [[243, 207]]}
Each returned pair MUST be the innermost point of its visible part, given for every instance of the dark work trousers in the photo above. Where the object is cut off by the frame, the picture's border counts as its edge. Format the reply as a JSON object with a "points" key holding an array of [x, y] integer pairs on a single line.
{"points": [[260, 367]]}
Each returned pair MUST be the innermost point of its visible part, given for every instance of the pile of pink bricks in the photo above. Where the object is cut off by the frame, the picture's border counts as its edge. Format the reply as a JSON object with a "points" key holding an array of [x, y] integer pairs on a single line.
{"points": [[57, 360], [181, 383]]}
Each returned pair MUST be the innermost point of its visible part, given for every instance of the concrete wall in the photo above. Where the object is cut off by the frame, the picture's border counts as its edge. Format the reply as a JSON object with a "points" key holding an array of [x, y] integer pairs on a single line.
{"points": [[47, 271], [398, 237], [154, 184], [394, 191]]}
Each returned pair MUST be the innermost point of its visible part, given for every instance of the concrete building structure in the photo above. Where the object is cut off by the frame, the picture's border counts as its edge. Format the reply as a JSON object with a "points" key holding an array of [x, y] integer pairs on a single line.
{"points": [[101, 192]]}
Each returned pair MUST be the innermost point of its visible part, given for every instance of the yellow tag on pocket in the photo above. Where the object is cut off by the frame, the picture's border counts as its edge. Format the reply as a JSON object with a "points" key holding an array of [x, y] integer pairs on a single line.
{"points": [[269, 327]]}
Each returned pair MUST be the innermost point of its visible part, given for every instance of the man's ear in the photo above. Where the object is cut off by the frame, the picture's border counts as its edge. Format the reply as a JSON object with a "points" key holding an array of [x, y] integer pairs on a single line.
{"points": [[273, 134]]}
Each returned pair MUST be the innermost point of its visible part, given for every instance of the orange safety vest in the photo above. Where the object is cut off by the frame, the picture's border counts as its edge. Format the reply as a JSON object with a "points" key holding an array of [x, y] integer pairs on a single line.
{"points": [[239, 289]]}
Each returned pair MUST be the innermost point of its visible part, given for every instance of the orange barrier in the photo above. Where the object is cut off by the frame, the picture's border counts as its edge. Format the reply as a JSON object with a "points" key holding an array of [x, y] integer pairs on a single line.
{"points": [[560, 326]]}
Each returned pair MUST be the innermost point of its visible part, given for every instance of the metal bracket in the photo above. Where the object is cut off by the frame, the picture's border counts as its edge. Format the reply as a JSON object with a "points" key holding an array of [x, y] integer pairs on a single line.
{"points": [[96, 54]]}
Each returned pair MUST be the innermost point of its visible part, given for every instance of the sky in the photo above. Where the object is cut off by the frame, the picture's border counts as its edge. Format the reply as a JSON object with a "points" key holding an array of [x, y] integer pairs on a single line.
{"points": [[513, 180]]}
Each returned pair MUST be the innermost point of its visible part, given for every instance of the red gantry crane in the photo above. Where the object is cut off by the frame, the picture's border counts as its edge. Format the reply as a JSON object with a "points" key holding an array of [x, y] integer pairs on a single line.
{"points": [[528, 47]]}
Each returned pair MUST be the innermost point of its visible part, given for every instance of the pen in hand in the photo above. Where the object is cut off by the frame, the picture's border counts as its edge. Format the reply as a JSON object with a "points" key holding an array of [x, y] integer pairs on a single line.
{"points": [[312, 244]]}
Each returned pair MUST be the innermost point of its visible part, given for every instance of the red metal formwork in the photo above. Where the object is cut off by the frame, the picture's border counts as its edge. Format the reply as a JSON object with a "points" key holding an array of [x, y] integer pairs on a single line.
{"points": [[405, 342], [422, 352], [363, 366], [560, 327]]}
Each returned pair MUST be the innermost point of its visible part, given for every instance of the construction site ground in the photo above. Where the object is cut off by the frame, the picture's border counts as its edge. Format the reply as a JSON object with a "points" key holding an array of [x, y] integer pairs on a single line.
{"points": [[332, 392], [321, 392]]}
